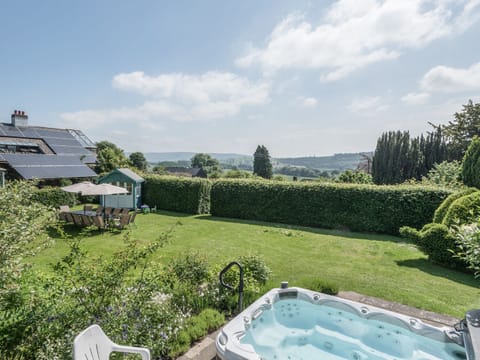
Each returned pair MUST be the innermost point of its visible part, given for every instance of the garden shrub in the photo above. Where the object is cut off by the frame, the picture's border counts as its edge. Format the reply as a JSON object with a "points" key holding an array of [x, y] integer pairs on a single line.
{"points": [[54, 197], [464, 210], [369, 208], [467, 239], [191, 268], [436, 241], [441, 211], [186, 195], [195, 328]]}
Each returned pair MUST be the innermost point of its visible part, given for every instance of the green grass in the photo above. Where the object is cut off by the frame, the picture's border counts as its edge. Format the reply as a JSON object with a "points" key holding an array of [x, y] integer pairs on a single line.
{"points": [[376, 265]]}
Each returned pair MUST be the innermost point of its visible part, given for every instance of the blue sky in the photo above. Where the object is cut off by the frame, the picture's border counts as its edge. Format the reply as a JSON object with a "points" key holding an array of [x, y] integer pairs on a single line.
{"points": [[301, 77]]}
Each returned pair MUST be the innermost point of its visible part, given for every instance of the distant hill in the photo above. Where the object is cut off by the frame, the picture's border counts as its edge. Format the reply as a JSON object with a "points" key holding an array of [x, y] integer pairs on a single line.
{"points": [[340, 162], [179, 156]]}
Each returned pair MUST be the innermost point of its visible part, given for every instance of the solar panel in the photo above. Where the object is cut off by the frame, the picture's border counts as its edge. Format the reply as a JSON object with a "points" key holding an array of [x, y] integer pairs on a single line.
{"points": [[29, 132], [88, 159], [64, 142], [11, 131], [31, 166], [55, 172], [54, 133], [60, 150]]}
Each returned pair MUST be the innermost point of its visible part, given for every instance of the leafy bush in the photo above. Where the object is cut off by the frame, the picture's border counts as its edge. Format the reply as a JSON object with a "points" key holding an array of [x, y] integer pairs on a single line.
{"points": [[85, 290], [186, 195], [382, 209], [23, 222], [191, 268], [463, 210], [441, 211], [195, 328], [436, 241], [446, 173], [467, 239], [54, 197], [471, 164], [355, 177]]}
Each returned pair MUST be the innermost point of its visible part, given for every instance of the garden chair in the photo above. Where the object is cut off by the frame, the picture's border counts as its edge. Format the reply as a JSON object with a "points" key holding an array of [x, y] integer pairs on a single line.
{"points": [[153, 209], [64, 208], [93, 344], [122, 221], [116, 212], [99, 210], [124, 211], [87, 208], [87, 220], [131, 219], [98, 222], [77, 220], [108, 212], [69, 217]]}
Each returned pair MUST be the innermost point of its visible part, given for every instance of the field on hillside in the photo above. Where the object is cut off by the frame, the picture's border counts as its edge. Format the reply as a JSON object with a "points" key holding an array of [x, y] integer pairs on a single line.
{"points": [[376, 265]]}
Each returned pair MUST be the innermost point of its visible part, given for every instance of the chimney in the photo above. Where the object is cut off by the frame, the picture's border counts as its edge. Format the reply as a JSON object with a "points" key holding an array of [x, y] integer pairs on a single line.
{"points": [[19, 118]]}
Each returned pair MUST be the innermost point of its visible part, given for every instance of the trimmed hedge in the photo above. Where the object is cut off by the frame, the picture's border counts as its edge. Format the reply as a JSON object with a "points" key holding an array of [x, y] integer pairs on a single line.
{"points": [[186, 195], [464, 210], [54, 197], [437, 242], [440, 213], [369, 208]]}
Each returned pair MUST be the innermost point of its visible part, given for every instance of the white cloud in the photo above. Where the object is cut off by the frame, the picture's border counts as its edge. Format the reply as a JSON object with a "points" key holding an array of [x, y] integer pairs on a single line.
{"points": [[448, 79], [354, 34], [367, 103], [179, 97], [416, 98], [308, 102]]}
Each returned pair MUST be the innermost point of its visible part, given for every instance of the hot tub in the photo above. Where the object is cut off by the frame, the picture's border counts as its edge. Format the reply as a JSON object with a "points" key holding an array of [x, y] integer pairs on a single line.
{"points": [[299, 324]]}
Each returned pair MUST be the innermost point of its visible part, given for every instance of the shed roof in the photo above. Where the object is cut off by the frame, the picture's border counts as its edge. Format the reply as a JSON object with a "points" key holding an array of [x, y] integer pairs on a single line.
{"points": [[132, 175], [41, 166], [125, 172]]}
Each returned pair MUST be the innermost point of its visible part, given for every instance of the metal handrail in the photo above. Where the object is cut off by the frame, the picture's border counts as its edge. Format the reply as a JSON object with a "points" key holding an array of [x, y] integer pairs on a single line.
{"points": [[228, 286]]}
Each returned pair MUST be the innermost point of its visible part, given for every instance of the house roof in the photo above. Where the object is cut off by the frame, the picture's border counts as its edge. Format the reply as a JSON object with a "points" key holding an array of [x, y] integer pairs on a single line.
{"points": [[40, 166], [46, 153], [67, 142]]}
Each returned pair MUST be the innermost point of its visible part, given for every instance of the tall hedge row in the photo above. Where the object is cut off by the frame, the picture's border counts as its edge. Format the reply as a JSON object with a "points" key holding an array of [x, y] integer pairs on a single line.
{"points": [[186, 195], [382, 209]]}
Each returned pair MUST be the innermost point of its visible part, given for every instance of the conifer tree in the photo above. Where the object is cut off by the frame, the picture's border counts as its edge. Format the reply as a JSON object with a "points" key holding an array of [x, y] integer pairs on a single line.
{"points": [[471, 164], [262, 165]]}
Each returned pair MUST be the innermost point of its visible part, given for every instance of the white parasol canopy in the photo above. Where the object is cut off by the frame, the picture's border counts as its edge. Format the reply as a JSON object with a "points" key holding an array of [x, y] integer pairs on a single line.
{"points": [[88, 188], [80, 187]]}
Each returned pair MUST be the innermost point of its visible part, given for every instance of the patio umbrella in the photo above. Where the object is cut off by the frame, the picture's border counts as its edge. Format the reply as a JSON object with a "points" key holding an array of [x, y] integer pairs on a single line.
{"points": [[109, 189], [88, 188], [79, 188]]}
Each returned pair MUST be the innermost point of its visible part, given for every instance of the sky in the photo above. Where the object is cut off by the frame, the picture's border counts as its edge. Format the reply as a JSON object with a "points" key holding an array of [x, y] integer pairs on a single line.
{"points": [[303, 78]]}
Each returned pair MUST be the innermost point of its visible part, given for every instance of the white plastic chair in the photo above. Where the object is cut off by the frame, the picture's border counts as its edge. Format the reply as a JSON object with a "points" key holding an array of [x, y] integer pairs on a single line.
{"points": [[93, 344]]}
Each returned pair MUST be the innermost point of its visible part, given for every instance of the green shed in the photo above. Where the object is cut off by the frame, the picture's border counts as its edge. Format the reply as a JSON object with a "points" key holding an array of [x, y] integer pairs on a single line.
{"points": [[127, 179]]}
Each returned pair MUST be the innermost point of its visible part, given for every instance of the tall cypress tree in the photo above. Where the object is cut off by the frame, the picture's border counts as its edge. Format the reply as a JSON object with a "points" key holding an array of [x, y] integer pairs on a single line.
{"points": [[471, 164], [262, 166]]}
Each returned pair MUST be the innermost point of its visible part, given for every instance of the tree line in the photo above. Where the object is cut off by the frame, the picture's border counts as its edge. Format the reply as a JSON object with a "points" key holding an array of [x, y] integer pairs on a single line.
{"points": [[399, 157]]}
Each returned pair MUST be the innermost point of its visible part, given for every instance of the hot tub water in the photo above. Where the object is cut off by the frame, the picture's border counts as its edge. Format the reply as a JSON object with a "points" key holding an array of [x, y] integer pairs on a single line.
{"points": [[298, 324]]}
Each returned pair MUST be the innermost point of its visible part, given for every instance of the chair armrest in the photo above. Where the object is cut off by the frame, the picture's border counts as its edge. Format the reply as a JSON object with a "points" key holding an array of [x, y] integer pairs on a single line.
{"points": [[145, 353]]}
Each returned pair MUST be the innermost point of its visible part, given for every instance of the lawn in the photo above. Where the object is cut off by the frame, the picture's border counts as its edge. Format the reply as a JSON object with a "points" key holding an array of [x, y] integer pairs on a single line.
{"points": [[376, 265]]}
